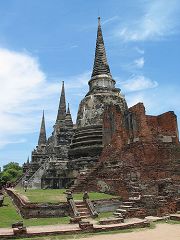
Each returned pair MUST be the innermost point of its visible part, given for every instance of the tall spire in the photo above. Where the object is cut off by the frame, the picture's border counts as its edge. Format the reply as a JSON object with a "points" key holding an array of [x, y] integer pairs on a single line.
{"points": [[68, 119], [62, 105], [42, 135], [100, 62], [68, 110], [28, 161]]}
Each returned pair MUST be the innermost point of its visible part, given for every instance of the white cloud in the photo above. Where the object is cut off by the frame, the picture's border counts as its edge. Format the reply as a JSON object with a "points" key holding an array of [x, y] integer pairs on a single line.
{"points": [[139, 63], [23, 88], [25, 92], [77, 81], [159, 20], [139, 50], [137, 83]]}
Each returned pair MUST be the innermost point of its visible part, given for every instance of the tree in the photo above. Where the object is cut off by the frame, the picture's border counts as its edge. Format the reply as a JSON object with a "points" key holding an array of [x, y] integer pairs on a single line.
{"points": [[12, 165], [11, 172]]}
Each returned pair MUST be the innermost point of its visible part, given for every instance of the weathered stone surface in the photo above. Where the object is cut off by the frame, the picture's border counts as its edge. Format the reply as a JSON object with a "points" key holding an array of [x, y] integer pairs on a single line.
{"points": [[136, 160], [113, 148], [47, 168]]}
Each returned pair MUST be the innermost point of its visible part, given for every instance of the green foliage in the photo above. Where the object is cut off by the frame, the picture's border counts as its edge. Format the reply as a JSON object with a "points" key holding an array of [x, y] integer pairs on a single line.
{"points": [[12, 165], [6, 177], [11, 172]]}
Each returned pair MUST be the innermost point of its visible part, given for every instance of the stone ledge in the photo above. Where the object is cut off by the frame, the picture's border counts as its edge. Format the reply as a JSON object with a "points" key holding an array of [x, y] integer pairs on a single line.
{"points": [[74, 229]]}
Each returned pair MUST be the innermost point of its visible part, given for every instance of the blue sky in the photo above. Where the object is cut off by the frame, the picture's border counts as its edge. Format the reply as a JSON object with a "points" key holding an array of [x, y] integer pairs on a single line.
{"points": [[45, 42]]}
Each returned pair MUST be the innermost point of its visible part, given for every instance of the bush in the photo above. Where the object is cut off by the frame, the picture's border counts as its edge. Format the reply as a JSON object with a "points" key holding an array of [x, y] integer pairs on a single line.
{"points": [[11, 172]]}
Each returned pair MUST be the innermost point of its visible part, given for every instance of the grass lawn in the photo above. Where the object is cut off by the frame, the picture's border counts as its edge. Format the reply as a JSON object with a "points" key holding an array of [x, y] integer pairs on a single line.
{"points": [[57, 195], [9, 215]]}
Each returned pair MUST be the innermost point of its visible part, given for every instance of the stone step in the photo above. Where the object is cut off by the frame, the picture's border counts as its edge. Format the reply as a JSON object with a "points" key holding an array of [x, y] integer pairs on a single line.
{"points": [[82, 208], [128, 203], [80, 204], [87, 216], [84, 212], [126, 206], [134, 209], [118, 215], [119, 210]]}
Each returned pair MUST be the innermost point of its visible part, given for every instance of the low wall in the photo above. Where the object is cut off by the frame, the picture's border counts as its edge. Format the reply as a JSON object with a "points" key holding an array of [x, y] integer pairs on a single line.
{"points": [[43, 210], [38, 210]]}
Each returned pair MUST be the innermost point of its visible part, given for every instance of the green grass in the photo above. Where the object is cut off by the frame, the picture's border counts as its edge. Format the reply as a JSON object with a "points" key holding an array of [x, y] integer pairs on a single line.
{"points": [[9, 215], [57, 195], [40, 195]]}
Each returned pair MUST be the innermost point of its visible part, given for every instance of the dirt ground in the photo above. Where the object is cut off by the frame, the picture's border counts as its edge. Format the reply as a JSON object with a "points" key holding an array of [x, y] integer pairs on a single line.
{"points": [[161, 232]]}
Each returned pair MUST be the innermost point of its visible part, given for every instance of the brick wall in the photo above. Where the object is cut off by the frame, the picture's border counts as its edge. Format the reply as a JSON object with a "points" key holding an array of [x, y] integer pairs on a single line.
{"points": [[135, 153]]}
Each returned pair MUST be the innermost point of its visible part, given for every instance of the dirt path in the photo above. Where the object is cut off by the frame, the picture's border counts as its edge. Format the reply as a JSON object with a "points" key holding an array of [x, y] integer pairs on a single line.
{"points": [[161, 232]]}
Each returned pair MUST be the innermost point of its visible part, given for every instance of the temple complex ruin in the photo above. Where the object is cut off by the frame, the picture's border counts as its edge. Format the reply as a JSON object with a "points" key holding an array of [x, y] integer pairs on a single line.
{"points": [[111, 148]]}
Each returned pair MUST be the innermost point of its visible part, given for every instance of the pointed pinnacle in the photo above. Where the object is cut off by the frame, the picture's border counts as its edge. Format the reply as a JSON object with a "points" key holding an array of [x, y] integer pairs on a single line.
{"points": [[68, 110], [68, 119], [42, 134], [99, 21], [100, 62], [62, 105]]}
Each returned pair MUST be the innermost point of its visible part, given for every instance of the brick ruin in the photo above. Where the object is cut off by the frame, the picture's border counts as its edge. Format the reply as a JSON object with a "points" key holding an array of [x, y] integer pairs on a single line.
{"points": [[112, 148], [140, 159]]}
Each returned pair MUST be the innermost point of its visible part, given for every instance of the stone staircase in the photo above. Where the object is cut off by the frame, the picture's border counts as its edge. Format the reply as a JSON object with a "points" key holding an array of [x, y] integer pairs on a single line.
{"points": [[82, 209], [129, 209], [134, 190], [26, 176], [35, 180], [19, 182], [123, 209], [81, 180], [132, 207], [80, 184]]}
